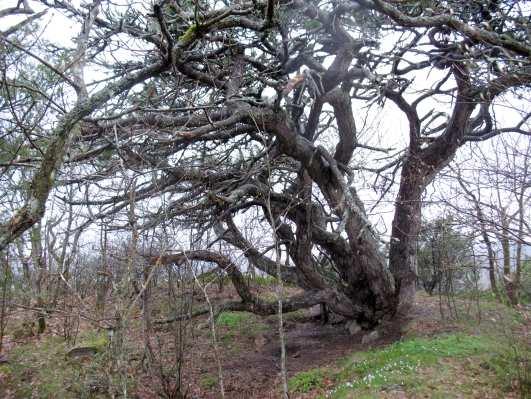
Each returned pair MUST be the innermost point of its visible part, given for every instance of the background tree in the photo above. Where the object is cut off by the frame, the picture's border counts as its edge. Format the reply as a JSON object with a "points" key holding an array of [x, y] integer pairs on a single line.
{"points": [[56, 139], [493, 194], [444, 255]]}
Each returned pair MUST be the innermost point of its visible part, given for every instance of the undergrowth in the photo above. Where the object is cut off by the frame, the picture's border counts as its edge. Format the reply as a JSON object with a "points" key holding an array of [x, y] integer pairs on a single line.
{"points": [[421, 366], [42, 369], [239, 324]]}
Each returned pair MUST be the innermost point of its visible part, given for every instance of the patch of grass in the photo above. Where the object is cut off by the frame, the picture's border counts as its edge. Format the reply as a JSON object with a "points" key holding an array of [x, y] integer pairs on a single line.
{"points": [[512, 368], [484, 296], [95, 339], [208, 381], [264, 281], [496, 318], [297, 315], [234, 319], [398, 364], [308, 381], [268, 296], [239, 324], [445, 366], [41, 369]]}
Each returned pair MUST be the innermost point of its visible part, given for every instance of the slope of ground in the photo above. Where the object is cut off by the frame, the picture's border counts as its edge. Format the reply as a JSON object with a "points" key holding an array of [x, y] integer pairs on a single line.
{"points": [[480, 354]]}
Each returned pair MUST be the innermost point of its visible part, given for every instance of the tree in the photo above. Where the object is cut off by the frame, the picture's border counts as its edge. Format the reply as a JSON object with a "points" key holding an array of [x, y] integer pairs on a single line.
{"points": [[210, 152], [56, 138], [443, 253], [495, 185]]}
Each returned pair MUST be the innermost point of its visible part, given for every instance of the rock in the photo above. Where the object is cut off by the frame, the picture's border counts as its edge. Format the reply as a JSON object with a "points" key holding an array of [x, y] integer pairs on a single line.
{"points": [[3, 360], [82, 351], [352, 327], [370, 337]]}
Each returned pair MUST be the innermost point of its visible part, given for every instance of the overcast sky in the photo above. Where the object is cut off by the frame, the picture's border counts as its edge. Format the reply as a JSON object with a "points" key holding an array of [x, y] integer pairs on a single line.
{"points": [[385, 126]]}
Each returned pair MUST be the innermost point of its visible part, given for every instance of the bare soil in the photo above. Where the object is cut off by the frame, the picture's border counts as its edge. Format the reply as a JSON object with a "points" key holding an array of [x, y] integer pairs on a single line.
{"points": [[251, 362]]}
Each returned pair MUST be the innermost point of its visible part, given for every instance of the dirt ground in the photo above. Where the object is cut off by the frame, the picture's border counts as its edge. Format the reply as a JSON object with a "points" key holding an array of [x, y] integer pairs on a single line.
{"points": [[251, 361]]}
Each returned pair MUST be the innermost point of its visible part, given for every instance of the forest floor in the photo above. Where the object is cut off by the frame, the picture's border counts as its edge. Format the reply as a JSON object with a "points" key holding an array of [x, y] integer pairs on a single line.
{"points": [[482, 350]]}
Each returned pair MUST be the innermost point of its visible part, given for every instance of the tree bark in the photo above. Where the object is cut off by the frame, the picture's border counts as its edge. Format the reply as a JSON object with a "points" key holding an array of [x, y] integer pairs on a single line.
{"points": [[39, 263], [405, 229], [508, 277]]}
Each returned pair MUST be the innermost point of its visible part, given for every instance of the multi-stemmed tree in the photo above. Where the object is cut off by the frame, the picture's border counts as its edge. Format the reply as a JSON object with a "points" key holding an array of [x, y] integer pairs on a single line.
{"points": [[221, 112]]}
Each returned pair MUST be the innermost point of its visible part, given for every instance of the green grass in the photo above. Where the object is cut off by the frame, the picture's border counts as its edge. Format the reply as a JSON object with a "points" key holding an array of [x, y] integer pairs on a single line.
{"points": [[242, 322], [264, 281], [308, 380], [234, 319], [268, 296], [42, 369], [213, 278], [94, 339], [496, 318], [421, 366], [297, 315], [398, 364], [238, 324], [484, 296], [208, 381]]}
